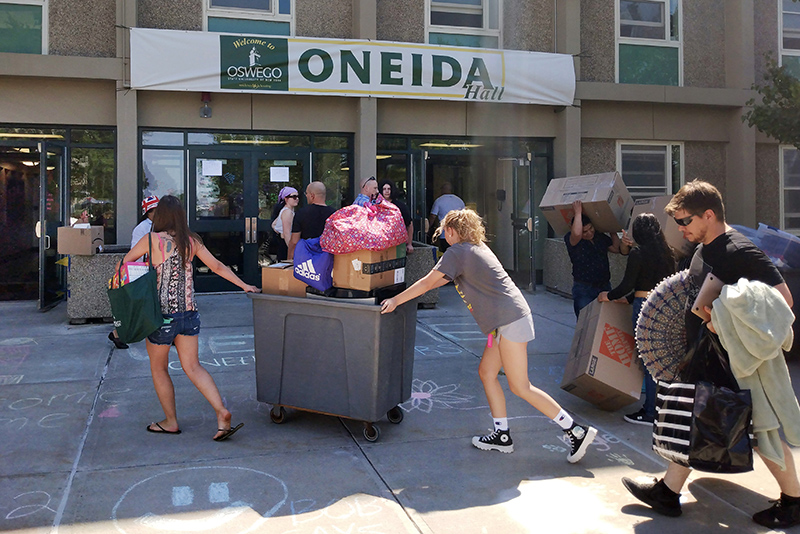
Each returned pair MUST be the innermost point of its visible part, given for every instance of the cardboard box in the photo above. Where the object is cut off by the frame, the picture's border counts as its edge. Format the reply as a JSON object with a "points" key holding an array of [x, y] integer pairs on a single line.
{"points": [[369, 269], [278, 279], [605, 199], [672, 233], [603, 367], [80, 241]]}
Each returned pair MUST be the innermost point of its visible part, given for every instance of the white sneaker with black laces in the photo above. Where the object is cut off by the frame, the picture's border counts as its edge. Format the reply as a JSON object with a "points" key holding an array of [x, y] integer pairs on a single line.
{"points": [[579, 437], [498, 440]]}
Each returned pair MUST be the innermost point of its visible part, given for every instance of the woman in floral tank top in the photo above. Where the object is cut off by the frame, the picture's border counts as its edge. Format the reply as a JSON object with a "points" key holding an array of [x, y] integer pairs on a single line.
{"points": [[174, 248]]}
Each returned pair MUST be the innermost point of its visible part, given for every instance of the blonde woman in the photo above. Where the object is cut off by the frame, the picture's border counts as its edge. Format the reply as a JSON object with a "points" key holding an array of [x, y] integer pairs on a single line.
{"points": [[502, 313]]}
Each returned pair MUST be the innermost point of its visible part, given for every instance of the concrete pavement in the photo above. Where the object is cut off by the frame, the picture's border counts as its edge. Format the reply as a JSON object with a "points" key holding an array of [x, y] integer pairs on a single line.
{"points": [[75, 456]]}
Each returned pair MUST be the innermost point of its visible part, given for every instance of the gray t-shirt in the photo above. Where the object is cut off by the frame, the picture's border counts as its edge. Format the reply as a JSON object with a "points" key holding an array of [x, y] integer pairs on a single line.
{"points": [[485, 286]]}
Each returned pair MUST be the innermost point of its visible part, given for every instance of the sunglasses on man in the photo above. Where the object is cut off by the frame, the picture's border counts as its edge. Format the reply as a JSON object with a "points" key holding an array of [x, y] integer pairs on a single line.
{"points": [[686, 221]]}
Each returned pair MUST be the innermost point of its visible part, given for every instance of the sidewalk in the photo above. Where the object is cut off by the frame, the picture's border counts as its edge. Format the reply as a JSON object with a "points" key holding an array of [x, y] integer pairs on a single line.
{"points": [[75, 456]]}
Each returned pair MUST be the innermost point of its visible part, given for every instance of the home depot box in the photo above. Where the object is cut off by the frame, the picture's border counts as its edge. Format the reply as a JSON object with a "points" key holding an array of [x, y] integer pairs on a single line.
{"points": [[605, 200], [602, 367], [278, 279], [79, 241], [672, 233], [369, 269]]}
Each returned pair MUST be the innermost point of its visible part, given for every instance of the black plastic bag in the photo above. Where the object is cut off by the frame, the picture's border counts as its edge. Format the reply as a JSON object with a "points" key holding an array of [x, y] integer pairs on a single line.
{"points": [[721, 427]]}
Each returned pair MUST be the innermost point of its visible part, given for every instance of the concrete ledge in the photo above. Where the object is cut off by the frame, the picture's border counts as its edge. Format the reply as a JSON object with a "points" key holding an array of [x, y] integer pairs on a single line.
{"points": [[87, 283], [418, 264]]}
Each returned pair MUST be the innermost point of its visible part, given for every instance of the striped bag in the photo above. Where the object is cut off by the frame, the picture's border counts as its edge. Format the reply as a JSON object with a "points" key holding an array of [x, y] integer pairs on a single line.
{"points": [[672, 429]]}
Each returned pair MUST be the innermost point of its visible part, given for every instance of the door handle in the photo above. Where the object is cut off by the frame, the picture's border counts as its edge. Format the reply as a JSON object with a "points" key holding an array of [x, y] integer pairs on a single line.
{"points": [[247, 230], [254, 230], [46, 242], [529, 224]]}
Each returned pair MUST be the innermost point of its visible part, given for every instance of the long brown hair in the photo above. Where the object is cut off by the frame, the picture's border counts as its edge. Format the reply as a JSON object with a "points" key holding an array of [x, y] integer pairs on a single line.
{"points": [[170, 217]]}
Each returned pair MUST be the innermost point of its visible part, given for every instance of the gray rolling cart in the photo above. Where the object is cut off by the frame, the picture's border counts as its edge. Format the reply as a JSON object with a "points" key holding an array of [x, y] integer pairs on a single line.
{"points": [[333, 357]]}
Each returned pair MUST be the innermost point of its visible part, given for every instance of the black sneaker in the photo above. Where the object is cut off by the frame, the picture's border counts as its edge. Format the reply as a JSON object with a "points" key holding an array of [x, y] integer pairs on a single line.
{"points": [[579, 437], [639, 418], [498, 440], [656, 495], [785, 512]]}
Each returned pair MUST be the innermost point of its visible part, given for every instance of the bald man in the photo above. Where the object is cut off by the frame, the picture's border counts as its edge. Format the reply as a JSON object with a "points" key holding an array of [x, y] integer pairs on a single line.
{"points": [[309, 221], [369, 192]]}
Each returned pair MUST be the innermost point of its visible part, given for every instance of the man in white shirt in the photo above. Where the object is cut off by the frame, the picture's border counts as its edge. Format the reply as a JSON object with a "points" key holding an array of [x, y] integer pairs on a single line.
{"points": [[443, 205]]}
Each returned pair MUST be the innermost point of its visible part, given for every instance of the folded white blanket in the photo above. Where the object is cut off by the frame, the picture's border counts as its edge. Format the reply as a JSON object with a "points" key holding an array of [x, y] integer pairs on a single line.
{"points": [[754, 324]]}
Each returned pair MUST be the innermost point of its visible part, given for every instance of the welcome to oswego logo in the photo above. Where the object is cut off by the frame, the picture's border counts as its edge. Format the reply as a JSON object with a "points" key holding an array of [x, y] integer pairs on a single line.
{"points": [[254, 63]]}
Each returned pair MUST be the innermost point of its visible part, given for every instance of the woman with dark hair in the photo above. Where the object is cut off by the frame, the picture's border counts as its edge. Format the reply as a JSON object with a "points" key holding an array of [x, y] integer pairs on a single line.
{"points": [[175, 246], [390, 193], [288, 199], [649, 262]]}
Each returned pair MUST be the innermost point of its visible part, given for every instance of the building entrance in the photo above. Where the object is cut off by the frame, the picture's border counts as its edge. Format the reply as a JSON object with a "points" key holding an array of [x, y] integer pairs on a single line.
{"points": [[31, 210], [231, 196]]}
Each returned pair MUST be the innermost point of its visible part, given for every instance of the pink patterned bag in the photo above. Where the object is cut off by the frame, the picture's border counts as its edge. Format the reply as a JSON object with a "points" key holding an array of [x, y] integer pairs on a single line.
{"points": [[353, 228]]}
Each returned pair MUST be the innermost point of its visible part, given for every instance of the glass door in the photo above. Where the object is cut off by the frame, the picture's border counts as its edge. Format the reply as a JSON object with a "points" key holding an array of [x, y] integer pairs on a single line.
{"points": [[276, 170], [231, 197], [523, 225], [221, 200], [52, 174]]}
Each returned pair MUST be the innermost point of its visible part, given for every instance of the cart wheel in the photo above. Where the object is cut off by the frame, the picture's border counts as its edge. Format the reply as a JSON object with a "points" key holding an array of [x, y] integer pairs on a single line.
{"points": [[277, 414], [395, 415], [371, 432]]}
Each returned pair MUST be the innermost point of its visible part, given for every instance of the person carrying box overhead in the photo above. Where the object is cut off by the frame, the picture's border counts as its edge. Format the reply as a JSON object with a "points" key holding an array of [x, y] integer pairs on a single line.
{"points": [[588, 251], [502, 313]]}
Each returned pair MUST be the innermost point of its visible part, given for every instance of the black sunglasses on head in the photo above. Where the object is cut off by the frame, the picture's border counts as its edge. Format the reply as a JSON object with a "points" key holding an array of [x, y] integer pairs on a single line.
{"points": [[686, 221]]}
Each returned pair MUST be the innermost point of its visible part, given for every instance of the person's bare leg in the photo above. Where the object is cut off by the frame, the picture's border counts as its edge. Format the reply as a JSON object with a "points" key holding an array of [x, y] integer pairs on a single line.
{"points": [[488, 370], [787, 480], [188, 354], [676, 476], [514, 358], [159, 369]]}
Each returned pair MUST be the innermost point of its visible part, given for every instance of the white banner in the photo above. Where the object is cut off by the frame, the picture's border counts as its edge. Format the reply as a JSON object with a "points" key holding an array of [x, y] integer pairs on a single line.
{"points": [[173, 60]]}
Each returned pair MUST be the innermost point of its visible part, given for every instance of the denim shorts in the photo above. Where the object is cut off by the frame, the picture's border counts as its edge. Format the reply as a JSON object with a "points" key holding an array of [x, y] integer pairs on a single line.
{"points": [[520, 331], [182, 324]]}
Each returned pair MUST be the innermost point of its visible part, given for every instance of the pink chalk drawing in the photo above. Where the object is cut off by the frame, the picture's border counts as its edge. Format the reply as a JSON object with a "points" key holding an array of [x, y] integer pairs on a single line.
{"points": [[111, 411], [426, 395]]}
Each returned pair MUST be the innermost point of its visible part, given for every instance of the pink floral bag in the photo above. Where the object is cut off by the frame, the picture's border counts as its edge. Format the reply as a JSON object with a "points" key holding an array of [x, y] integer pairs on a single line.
{"points": [[353, 228]]}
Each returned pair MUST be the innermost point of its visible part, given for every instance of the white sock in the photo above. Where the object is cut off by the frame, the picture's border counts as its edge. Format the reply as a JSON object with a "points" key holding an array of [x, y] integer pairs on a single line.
{"points": [[500, 423], [564, 420]]}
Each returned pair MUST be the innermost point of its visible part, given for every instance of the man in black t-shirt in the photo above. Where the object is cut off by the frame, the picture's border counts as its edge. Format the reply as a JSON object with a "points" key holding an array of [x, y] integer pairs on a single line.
{"points": [[309, 221], [700, 213]]}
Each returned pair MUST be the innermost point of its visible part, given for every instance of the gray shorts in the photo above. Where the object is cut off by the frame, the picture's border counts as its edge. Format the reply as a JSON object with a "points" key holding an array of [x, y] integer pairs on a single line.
{"points": [[520, 331]]}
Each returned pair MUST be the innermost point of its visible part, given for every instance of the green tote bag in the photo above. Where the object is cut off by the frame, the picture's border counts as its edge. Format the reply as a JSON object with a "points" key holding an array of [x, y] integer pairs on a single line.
{"points": [[135, 305]]}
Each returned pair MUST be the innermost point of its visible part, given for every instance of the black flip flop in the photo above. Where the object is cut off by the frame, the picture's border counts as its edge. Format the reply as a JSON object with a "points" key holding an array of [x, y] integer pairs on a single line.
{"points": [[228, 432], [162, 431]]}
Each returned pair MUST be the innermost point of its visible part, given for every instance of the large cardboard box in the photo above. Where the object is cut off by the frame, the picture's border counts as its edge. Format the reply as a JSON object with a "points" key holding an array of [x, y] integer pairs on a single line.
{"points": [[80, 241], [672, 233], [605, 199], [603, 367], [278, 279], [369, 269]]}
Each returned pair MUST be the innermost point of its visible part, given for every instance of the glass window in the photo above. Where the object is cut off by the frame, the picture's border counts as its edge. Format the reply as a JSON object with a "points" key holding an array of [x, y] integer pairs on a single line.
{"points": [[791, 24], [163, 173], [162, 138], [329, 142], [261, 17], [93, 188], [472, 23], [648, 43], [333, 169], [790, 186], [92, 137], [22, 27], [650, 170]]}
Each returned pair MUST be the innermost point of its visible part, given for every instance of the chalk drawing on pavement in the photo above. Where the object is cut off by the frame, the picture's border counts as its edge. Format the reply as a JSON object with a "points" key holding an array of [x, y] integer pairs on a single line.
{"points": [[25, 510], [427, 395], [199, 499]]}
